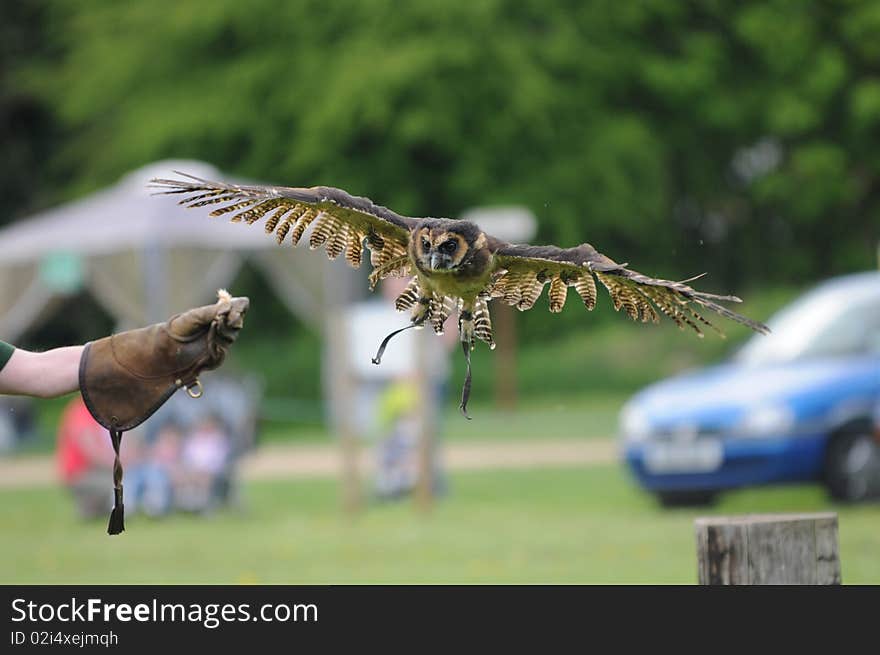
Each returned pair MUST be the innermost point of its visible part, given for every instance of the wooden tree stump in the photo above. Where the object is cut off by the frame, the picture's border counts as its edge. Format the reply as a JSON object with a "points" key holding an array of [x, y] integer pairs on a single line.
{"points": [[768, 549]]}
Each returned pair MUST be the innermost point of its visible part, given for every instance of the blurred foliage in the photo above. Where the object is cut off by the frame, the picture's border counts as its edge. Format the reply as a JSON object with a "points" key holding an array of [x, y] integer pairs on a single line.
{"points": [[685, 135], [28, 130], [738, 138]]}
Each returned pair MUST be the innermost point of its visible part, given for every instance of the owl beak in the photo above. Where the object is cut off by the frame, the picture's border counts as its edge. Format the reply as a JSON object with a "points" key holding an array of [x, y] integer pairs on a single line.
{"points": [[436, 259]]}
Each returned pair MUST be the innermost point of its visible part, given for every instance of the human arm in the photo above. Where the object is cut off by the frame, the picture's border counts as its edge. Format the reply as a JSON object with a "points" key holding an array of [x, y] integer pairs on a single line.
{"points": [[41, 374]]}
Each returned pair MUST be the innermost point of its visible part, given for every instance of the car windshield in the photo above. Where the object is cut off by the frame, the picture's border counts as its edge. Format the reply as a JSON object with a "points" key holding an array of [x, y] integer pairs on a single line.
{"points": [[827, 322]]}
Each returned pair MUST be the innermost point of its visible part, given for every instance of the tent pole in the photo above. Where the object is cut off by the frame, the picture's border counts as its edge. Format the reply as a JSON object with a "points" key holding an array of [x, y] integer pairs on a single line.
{"points": [[155, 282]]}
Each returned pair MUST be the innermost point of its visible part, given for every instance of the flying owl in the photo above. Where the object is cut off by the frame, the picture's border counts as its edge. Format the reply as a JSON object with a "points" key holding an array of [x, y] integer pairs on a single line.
{"points": [[454, 265]]}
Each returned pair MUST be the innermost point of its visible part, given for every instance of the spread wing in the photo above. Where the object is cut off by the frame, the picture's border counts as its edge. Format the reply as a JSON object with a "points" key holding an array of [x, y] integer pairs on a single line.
{"points": [[521, 272], [341, 222]]}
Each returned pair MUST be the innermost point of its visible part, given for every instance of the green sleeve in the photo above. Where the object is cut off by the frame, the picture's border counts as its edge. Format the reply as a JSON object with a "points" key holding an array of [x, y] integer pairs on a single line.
{"points": [[5, 353]]}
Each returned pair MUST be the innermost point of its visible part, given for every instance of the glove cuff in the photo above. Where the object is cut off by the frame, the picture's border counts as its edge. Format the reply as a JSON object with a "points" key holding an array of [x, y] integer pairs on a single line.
{"points": [[124, 379]]}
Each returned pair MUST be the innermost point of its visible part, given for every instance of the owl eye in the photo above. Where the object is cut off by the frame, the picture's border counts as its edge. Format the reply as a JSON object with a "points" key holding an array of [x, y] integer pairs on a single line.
{"points": [[426, 244], [449, 247]]}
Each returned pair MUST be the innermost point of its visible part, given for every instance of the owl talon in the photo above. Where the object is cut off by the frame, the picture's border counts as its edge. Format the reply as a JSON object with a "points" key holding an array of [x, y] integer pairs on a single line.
{"points": [[466, 329]]}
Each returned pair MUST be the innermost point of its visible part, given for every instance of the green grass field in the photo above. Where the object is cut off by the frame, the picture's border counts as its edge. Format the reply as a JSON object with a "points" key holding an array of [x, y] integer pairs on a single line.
{"points": [[588, 525]]}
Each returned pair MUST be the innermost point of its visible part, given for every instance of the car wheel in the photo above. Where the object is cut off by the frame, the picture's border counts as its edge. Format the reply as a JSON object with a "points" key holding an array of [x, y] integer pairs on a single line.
{"points": [[852, 466], [686, 498]]}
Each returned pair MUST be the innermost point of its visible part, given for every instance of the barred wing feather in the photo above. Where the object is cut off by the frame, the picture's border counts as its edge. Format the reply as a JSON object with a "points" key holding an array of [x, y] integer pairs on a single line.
{"points": [[522, 271], [341, 223]]}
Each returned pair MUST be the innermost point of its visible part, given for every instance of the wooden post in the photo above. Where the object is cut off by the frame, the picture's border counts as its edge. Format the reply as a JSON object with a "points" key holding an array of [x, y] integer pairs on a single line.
{"points": [[505, 355], [768, 549], [352, 501], [515, 224], [424, 491], [340, 384]]}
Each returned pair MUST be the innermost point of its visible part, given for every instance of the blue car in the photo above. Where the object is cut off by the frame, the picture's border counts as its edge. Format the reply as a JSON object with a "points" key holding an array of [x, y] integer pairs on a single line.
{"points": [[795, 406]]}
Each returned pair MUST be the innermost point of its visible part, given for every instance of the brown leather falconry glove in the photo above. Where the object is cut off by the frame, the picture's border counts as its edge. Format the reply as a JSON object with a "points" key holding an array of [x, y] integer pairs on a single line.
{"points": [[126, 377]]}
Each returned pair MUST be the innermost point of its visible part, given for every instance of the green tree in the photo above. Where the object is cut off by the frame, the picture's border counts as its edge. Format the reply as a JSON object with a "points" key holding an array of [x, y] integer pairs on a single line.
{"points": [[738, 138]]}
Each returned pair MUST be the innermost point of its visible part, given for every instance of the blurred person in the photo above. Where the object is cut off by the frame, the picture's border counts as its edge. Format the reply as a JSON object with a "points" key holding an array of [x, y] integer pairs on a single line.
{"points": [[205, 462], [166, 451], [877, 422], [150, 471], [231, 401], [397, 470], [397, 401], [85, 459]]}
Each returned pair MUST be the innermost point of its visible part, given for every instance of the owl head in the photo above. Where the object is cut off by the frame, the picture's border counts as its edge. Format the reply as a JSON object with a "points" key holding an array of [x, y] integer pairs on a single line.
{"points": [[445, 245]]}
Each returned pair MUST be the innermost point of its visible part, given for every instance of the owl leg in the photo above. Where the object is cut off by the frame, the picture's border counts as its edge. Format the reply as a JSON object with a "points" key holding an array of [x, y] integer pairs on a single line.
{"points": [[466, 327], [420, 312]]}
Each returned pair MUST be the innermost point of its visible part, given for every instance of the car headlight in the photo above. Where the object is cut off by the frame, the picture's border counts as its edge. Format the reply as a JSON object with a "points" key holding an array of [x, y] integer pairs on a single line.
{"points": [[634, 424], [767, 420]]}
